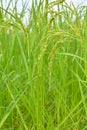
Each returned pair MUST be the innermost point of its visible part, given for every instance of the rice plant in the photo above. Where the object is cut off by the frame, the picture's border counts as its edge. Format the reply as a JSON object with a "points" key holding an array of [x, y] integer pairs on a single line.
{"points": [[43, 66]]}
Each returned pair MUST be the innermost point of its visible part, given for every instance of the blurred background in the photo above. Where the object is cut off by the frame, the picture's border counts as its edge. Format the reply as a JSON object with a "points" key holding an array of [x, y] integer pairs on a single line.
{"points": [[23, 6]]}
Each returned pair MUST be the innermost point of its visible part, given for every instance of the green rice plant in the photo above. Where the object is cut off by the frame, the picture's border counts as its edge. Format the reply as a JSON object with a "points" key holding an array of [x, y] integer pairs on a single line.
{"points": [[43, 66]]}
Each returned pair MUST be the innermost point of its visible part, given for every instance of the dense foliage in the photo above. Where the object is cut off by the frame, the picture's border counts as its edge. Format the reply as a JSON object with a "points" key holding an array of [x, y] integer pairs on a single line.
{"points": [[43, 67]]}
